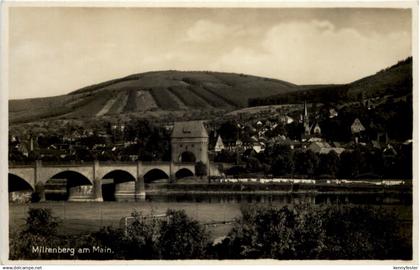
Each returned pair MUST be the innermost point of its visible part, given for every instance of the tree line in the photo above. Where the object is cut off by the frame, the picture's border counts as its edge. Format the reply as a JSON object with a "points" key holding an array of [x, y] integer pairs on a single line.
{"points": [[359, 162], [284, 233]]}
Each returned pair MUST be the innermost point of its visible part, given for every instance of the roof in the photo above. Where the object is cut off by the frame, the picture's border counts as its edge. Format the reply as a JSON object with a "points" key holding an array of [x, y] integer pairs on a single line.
{"points": [[357, 126], [321, 144], [190, 129], [219, 143], [326, 150]]}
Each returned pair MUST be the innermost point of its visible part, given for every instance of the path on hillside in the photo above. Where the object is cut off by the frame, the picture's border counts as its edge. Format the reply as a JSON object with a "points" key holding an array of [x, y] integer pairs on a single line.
{"points": [[145, 101], [120, 103], [105, 109]]}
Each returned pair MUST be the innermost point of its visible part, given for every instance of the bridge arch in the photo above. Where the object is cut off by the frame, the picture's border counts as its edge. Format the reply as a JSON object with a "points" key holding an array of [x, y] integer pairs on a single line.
{"points": [[119, 176], [155, 175], [17, 183], [187, 156], [117, 183], [47, 173], [182, 173], [63, 185], [73, 178]]}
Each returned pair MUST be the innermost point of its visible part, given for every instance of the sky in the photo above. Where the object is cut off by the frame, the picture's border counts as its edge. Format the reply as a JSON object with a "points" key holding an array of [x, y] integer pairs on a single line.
{"points": [[53, 51]]}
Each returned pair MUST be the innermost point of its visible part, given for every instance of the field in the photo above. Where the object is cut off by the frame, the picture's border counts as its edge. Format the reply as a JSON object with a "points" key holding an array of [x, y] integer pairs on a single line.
{"points": [[152, 91]]}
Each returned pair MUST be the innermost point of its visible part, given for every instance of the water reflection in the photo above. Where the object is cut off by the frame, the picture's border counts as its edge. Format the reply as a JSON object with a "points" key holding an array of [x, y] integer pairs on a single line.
{"points": [[329, 199]]}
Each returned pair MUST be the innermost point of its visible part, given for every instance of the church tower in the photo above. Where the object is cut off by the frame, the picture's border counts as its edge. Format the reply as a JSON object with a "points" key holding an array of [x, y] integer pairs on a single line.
{"points": [[306, 127]]}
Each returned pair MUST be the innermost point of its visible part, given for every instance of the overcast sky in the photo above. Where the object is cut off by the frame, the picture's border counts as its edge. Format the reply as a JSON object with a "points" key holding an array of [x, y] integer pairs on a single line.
{"points": [[54, 51]]}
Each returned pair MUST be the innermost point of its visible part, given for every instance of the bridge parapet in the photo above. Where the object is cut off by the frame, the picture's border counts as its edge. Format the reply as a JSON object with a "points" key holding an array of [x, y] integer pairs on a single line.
{"points": [[81, 165], [117, 164], [16, 166], [151, 163], [184, 163], [112, 162], [21, 163], [66, 163]]}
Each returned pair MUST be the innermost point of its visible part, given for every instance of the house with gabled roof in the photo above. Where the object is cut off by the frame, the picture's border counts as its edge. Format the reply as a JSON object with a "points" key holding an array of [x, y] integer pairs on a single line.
{"points": [[219, 146]]}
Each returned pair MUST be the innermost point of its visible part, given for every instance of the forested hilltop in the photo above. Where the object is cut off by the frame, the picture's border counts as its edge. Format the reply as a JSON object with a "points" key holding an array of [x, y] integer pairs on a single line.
{"points": [[395, 81]]}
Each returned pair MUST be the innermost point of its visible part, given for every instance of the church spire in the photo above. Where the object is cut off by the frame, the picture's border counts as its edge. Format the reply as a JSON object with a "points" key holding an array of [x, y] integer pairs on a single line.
{"points": [[307, 128]]}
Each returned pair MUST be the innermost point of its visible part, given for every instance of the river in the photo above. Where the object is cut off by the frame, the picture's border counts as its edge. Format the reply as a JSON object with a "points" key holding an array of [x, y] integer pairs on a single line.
{"points": [[213, 208]]}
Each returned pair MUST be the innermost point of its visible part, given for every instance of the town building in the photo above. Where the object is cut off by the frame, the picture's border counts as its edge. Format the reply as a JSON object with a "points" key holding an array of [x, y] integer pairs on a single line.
{"points": [[189, 142], [357, 129], [219, 145], [324, 148]]}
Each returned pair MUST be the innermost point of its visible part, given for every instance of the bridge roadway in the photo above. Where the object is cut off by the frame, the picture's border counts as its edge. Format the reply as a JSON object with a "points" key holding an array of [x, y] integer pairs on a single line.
{"points": [[130, 182]]}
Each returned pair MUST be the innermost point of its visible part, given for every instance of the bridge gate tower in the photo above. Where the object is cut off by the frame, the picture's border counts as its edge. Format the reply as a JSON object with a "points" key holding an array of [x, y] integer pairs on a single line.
{"points": [[189, 142]]}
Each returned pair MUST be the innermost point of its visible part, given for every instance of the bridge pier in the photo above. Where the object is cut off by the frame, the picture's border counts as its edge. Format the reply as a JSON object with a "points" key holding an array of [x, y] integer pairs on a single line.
{"points": [[140, 191], [172, 177], [40, 191], [97, 190], [81, 193]]}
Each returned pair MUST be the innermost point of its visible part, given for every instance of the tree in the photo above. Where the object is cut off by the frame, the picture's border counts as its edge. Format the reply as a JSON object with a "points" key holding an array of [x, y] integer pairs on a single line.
{"points": [[283, 165], [253, 165], [235, 171], [200, 169], [305, 162], [278, 233], [142, 235], [352, 233], [225, 156], [405, 162], [328, 164], [40, 230], [181, 237], [278, 130], [229, 131]]}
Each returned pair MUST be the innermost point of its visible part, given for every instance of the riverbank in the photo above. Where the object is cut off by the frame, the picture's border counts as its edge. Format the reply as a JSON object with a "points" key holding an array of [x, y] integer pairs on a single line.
{"points": [[248, 188], [79, 222], [275, 188], [79, 217]]}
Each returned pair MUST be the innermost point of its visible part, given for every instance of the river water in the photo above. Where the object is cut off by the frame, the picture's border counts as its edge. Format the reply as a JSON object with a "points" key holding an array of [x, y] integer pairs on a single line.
{"points": [[211, 208]]}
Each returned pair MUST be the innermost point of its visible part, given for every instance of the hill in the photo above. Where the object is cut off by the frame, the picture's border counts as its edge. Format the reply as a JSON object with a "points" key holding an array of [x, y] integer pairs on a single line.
{"points": [[151, 91], [396, 81], [174, 92]]}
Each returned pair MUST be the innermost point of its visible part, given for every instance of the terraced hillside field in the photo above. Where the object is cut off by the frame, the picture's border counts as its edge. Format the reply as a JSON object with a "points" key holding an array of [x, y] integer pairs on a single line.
{"points": [[152, 91]]}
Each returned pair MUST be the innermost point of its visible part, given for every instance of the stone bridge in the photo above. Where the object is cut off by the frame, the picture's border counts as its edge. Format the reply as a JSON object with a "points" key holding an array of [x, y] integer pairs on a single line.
{"points": [[84, 181]]}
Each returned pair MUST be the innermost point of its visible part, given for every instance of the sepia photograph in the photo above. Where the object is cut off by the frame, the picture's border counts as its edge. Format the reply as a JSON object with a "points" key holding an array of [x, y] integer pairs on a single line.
{"points": [[162, 133]]}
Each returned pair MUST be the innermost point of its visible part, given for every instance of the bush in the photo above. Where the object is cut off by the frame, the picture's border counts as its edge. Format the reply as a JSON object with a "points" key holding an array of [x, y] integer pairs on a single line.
{"points": [[363, 233], [181, 237], [292, 232], [200, 169], [106, 237], [283, 233], [142, 236], [40, 231], [313, 232], [147, 237]]}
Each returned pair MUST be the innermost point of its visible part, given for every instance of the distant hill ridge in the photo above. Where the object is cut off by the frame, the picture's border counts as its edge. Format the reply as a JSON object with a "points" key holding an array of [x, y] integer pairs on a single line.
{"points": [[396, 80], [166, 91]]}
